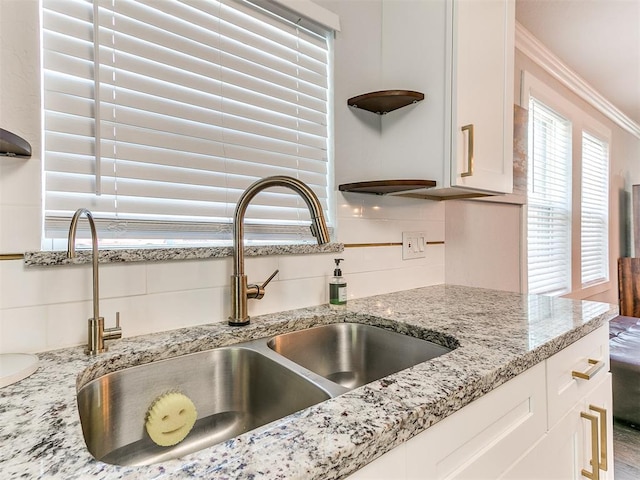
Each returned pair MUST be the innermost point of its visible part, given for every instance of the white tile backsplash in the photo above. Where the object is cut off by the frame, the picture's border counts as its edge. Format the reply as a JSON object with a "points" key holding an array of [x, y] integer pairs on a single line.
{"points": [[296, 267], [258, 269], [23, 287], [118, 280], [23, 330], [134, 315], [286, 295], [47, 307], [66, 324], [171, 310], [188, 275]]}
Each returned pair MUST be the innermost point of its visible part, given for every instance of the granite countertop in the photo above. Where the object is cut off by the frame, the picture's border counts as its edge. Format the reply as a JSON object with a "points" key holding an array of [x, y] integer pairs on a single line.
{"points": [[500, 335]]}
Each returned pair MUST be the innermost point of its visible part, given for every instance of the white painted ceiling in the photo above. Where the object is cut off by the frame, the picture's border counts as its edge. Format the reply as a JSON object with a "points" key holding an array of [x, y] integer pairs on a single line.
{"points": [[598, 39]]}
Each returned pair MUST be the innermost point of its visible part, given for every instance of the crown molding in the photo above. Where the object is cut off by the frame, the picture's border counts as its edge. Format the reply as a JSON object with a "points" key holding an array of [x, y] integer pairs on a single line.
{"points": [[536, 51]]}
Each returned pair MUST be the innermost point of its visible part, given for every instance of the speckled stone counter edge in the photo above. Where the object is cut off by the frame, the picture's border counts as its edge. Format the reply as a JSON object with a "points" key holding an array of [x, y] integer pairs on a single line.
{"points": [[43, 259], [499, 335]]}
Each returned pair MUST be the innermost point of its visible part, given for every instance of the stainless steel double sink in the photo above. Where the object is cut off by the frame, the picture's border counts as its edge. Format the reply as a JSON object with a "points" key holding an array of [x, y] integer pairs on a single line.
{"points": [[240, 387]]}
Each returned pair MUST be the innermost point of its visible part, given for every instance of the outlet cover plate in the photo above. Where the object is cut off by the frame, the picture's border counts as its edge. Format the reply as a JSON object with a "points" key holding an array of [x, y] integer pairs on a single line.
{"points": [[413, 245]]}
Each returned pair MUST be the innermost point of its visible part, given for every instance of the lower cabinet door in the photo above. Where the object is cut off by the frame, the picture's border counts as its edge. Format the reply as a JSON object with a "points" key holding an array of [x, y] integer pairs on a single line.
{"points": [[484, 438], [599, 404], [480, 441], [579, 446], [558, 455]]}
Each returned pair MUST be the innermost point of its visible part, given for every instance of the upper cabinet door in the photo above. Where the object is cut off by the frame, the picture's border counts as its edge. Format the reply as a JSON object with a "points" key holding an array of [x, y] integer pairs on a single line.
{"points": [[482, 53]]}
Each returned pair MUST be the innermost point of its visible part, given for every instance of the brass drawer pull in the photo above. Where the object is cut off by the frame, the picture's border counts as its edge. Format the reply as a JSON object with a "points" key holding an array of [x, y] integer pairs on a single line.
{"points": [[603, 435], [469, 171], [590, 373], [594, 474]]}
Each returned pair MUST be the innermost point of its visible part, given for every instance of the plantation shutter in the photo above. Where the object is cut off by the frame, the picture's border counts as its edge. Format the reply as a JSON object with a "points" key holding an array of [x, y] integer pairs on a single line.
{"points": [[549, 201], [158, 114], [595, 210]]}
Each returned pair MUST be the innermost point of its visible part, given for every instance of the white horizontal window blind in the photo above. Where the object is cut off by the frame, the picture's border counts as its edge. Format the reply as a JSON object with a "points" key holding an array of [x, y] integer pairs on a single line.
{"points": [[158, 114], [549, 201], [595, 210]]}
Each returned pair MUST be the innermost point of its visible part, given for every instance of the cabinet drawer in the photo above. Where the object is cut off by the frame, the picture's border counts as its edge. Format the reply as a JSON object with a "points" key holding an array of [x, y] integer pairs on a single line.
{"points": [[564, 387]]}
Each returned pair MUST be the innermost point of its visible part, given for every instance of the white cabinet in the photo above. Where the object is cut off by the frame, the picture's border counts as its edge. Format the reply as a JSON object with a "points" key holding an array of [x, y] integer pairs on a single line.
{"points": [[480, 441], [601, 397], [538, 425], [589, 355], [459, 53], [482, 95], [568, 449], [580, 417], [494, 431]]}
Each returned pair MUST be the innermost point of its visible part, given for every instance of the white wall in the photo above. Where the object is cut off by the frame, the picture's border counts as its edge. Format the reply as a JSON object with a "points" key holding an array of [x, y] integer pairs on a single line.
{"points": [[483, 244], [46, 307]]}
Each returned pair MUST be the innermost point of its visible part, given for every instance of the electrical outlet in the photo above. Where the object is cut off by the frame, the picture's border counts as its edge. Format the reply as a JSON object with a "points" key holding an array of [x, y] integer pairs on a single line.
{"points": [[413, 245]]}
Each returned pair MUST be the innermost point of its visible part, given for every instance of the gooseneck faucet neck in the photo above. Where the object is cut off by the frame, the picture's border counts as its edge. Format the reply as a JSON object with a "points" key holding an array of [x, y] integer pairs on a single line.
{"points": [[71, 252], [240, 290], [96, 333]]}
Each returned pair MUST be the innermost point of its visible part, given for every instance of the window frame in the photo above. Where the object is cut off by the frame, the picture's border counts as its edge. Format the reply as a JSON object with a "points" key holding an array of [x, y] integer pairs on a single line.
{"points": [[580, 121]]}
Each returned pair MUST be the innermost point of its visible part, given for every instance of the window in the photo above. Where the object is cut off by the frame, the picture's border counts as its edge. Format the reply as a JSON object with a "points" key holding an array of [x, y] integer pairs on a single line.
{"points": [[549, 201], [567, 196], [158, 115], [595, 210]]}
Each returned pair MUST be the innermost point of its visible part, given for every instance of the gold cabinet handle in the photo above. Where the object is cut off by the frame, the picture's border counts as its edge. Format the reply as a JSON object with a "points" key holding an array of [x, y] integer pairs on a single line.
{"points": [[603, 435], [596, 366], [469, 171], [594, 474]]}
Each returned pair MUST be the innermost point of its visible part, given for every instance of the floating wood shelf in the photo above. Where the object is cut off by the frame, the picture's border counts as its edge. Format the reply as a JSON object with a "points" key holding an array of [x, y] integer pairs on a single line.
{"points": [[385, 101], [11, 145], [386, 187]]}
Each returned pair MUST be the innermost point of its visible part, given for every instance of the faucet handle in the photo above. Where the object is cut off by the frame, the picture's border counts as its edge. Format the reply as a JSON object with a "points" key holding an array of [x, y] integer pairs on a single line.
{"points": [[257, 291], [266, 282], [113, 333]]}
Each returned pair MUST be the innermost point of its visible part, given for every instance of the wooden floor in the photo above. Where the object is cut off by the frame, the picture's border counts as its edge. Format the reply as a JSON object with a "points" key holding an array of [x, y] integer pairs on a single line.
{"points": [[626, 446]]}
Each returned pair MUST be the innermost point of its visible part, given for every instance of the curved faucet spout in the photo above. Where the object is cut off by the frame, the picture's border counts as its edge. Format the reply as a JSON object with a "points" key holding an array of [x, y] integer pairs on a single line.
{"points": [[71, 251], [97, 334], [240, 290]]}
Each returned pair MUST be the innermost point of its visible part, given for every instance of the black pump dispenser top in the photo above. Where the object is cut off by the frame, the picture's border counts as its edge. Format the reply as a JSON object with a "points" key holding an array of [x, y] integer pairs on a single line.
{"points": [[337, 272]]}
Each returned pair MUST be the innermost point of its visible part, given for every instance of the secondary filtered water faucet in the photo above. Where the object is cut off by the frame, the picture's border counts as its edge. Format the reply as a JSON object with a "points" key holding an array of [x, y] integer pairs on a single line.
{"points": [[97, 334], [240, 290]]}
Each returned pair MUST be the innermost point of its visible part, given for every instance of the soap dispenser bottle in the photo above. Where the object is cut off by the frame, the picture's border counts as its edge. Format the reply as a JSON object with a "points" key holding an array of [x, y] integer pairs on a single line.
{"points": [[338, 287]]}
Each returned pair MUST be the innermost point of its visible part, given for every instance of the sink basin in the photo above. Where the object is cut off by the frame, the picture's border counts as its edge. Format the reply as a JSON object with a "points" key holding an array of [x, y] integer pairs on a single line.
{"points": [[238, 388], [234, 390], [353, 354]]}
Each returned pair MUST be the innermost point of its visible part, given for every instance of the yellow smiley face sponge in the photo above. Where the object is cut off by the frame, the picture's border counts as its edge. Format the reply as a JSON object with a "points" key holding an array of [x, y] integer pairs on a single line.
{"points": [[170, 418]]}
